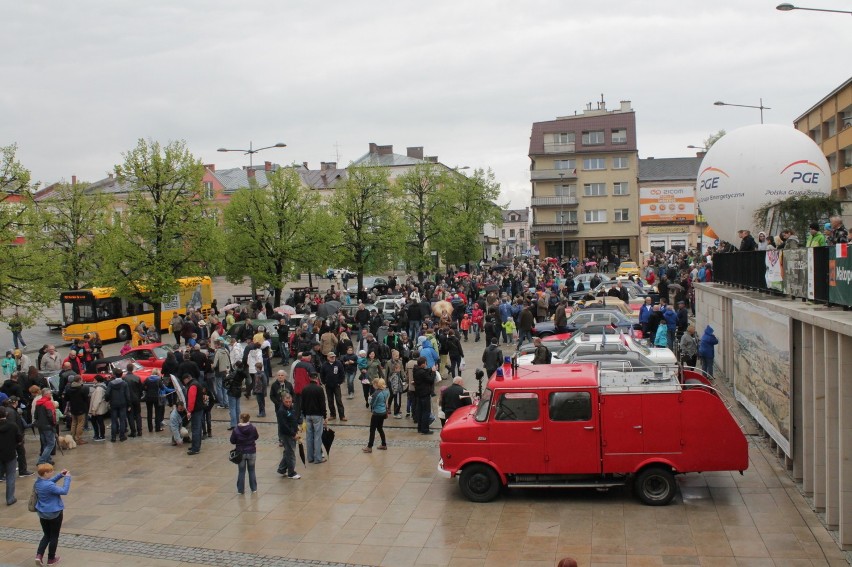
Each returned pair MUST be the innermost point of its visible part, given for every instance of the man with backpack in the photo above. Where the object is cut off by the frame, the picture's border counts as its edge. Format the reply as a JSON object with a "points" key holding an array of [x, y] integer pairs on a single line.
{"points": [[542, 353]]}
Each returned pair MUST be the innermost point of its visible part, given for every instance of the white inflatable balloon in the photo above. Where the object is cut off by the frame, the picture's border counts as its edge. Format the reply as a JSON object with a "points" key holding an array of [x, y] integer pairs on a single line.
{"points": [[755, 165]]}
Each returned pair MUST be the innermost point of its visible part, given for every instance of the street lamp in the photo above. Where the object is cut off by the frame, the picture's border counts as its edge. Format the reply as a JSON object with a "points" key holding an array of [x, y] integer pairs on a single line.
{"points": [[702, 148], [251, 151], [789, 7], [761, 107], [562, 216]]}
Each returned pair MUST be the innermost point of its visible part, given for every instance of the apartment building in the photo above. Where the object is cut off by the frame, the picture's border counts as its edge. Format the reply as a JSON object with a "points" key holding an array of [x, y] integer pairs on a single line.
{"points": [[584, 176], [515, 232], [829, 124]]}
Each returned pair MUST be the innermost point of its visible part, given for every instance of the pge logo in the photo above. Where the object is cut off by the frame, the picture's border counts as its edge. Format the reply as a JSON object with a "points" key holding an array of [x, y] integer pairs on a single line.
{"points": [[710, 182], [803, 176]]}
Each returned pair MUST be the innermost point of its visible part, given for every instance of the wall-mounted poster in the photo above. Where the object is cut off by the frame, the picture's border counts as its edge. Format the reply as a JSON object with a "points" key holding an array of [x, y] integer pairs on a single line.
{"points": [[774, 270], [762, 368]]}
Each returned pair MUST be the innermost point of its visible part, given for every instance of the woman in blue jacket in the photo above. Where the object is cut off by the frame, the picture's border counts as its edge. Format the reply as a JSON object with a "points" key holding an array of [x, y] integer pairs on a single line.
{"points": [[706, 350], [379, 411], [49, 507]]}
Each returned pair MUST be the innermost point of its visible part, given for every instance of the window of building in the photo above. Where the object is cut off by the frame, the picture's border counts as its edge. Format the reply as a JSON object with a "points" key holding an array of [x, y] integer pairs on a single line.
{"points": [[511, 233], [594, 163], [517, 406], [567, 217], [830, 127], [566, 190], [564, 138], [521, 235], [620, 162], [208, 189], [564, 164], [620, 188], [816, 135], [847, 157], [594, 189], [596, 215], [621, 215], [619, 136], [594, 137]]}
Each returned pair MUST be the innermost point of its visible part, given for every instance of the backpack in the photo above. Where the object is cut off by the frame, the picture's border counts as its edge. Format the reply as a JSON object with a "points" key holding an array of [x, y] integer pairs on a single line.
{"points": [[549, 356]]}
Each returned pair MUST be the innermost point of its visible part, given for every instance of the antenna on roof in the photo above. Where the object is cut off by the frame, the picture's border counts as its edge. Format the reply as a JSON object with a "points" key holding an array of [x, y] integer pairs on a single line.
{"points": [[337, 151]]}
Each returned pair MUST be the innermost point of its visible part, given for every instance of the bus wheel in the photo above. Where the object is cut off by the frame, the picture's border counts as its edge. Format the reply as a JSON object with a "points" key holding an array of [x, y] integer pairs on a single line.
{"points": [[123, 333], [655, 486], [479, 483]]}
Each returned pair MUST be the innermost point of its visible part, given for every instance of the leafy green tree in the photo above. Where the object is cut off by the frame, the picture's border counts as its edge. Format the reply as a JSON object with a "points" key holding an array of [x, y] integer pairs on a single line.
{"points": [[166, 230], [796, 212], [275, 232], [23, 284], [713, 138], [63, 228], [424, 211], [472, 203], [366, 208]]}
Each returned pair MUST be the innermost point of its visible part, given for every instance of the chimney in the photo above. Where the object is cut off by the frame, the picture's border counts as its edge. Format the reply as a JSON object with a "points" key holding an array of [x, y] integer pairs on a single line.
{"points": [[326, 165], [267, 166], [416, 152], [73, 180], [700, 154], [373, 148], [110, 175], [384, 150], [625, 106], [250, 173], [305, 165], [431, 159], [210, 166]]}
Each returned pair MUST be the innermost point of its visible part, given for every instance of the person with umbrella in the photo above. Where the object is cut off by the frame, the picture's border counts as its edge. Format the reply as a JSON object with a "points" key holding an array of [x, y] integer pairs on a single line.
{"points": [[316, 417], [288, 430]]}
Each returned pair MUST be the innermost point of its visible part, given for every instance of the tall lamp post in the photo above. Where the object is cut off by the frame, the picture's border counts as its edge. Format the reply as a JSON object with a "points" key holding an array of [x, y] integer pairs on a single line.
{"points": [[251, 150], [761, 107], [789, 7], [562, 216]]}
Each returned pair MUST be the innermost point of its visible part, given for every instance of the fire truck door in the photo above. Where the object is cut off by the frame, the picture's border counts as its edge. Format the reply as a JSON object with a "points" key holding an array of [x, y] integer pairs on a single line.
{"points": [[573, 433], [516, 433], [623, 439]]}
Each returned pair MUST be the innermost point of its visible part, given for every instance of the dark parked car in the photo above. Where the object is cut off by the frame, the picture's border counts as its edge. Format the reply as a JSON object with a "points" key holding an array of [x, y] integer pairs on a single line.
{"points": [[583, 317], [270, 326]]}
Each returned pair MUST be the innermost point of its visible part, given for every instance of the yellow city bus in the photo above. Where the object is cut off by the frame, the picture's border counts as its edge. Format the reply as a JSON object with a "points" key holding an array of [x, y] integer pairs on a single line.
{"points": [[98, 309]]}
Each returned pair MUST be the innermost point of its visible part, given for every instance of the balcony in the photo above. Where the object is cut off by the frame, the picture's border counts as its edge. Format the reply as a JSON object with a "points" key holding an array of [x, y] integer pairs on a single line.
{"points": [[554, 201], [555, 228], [554, 148], [552, 174]]}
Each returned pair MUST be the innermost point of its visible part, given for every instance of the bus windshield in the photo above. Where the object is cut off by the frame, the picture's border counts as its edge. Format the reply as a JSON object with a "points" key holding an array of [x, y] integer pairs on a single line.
{"points": [[78, 310]]}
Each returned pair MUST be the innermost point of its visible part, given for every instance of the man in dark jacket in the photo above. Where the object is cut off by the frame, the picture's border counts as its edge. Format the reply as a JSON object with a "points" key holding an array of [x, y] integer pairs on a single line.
{"points": [[424, 381], [747, 244], [526, 321], [453, 398], [77, 398], [332, 376], [10, 438], [134, 401], [313, 408], [455, 353], [118, 396], [492, 358], [362, 317], [542, 353], [560, 319], [194, 411], [415, 319], [10, 406], [288, 432]]}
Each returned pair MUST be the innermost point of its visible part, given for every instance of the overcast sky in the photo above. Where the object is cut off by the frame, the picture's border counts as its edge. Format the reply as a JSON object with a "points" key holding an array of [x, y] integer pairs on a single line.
{"points": [[83, 80]]}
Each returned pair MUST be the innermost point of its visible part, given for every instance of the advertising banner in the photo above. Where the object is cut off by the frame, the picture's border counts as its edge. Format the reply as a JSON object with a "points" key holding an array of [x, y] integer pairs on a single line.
{"points": [[774, 270], [762, 368], [840, 275], [795, 265], [666, 205]]}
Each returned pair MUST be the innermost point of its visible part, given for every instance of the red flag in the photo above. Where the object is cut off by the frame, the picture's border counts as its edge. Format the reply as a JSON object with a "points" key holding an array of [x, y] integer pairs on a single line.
{"points": [[841, 250]]}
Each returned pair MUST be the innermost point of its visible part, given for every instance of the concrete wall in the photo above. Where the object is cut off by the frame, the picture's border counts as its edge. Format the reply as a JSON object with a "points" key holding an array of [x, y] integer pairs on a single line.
{"points": [[821, 392]]}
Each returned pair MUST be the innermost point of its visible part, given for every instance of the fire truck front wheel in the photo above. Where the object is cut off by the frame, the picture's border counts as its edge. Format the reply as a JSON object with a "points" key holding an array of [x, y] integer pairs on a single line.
{"points": [[479, 483], [655, 486]]}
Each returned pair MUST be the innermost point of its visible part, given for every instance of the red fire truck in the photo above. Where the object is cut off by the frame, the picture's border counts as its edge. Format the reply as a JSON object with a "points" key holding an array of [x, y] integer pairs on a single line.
{"points": [[580, 425]]}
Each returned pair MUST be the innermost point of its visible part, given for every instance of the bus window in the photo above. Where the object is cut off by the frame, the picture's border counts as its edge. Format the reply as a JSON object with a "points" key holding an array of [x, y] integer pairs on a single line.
{"points": [[108, 308]]}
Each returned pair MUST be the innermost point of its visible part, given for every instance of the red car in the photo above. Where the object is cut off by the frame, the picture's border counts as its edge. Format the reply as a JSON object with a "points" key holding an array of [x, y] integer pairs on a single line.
{"points": [[151, 355], [106, 366]]}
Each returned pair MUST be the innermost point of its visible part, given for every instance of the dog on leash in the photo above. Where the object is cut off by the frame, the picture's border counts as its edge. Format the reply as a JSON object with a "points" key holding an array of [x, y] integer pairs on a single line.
{"points": [[67, 442]]}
